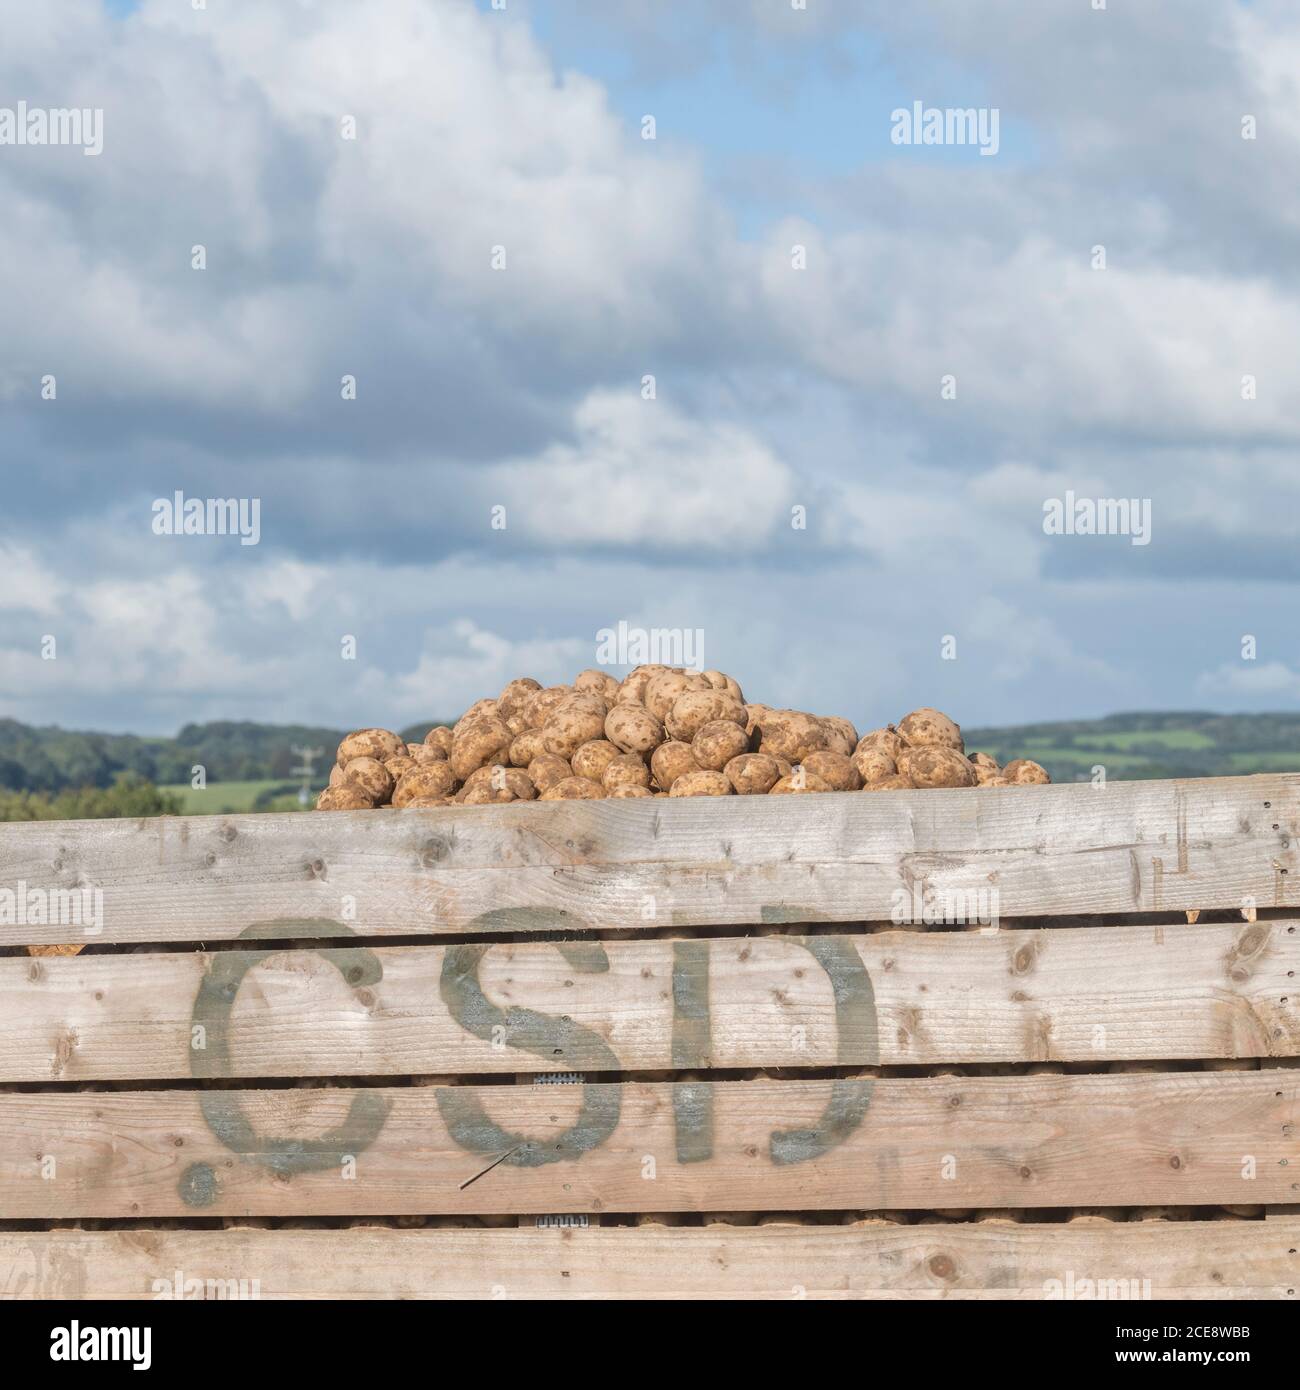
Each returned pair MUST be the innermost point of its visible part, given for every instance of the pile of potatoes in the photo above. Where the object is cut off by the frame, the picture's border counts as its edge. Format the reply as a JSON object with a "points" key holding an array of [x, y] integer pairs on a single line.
{"points": [[661, 731]]}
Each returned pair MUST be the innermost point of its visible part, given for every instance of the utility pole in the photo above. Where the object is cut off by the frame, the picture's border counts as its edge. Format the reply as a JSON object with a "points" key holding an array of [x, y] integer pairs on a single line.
{"points": [[306, 771]]}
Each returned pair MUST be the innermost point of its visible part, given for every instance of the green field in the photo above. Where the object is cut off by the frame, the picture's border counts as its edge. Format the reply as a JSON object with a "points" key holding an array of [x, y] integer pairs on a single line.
{"points": [[1163, 738], [221, 798], [1151, 744]]}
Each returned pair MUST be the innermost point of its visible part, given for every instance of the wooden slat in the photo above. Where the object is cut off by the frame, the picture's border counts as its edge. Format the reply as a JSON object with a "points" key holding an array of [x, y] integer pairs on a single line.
{"points": [[979, 1260], [1025, 1141], [1130, 847], [1095, 995]]}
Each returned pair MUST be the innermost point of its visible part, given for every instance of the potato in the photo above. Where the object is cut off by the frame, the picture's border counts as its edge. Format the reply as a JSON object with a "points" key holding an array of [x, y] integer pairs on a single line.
{"points": [[480, 774], [626, 770], [631, 728], [718, 742], [663, 690], [800, 780], [719, 680], [575, 720], [754, 715], [670, 761], [369, 743], [1023, 772], [501, 785], [594, 682], [935, 765], [574, 789], [475, 711], [873, 763], [593, 758], [428, 780], [753, 774], [372, 777], [701, 783], [440, 738], [513, 700], [425, 803], [886, 739], [835, 769], [660, 726], [845, 738], [791, 734], [485, 739], [835, 740], [696, 708], [538, 709], [348, 797], [546, 770], [526, 746], [927, 727], [632, 691]]}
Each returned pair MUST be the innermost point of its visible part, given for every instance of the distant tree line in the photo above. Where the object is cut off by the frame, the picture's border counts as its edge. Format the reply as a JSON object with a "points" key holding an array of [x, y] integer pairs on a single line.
{"points": [[128, 797], [53, 759]]}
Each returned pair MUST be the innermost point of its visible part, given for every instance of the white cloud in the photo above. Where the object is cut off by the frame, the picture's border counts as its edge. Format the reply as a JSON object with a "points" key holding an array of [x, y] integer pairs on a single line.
{"points": [[29, 583], [462, 662], [1272, 679], [290, 584], [927, 523], [466, 140], [641, 474], [1039, 343], [1026, 642]]}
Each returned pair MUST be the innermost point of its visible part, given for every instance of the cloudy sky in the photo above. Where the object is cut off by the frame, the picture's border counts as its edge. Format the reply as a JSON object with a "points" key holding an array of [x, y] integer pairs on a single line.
{"points": [[788, 385]]}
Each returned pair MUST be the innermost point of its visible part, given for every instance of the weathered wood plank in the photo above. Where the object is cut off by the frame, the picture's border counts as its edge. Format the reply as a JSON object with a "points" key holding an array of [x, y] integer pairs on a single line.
{"points": [[1097, 995], [1130, 847], [978, 1260], [1027, 1141]]}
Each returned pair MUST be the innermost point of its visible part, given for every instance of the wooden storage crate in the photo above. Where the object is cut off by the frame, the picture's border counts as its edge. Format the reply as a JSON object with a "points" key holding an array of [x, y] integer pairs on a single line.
{"points": [[305, 1051]]}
